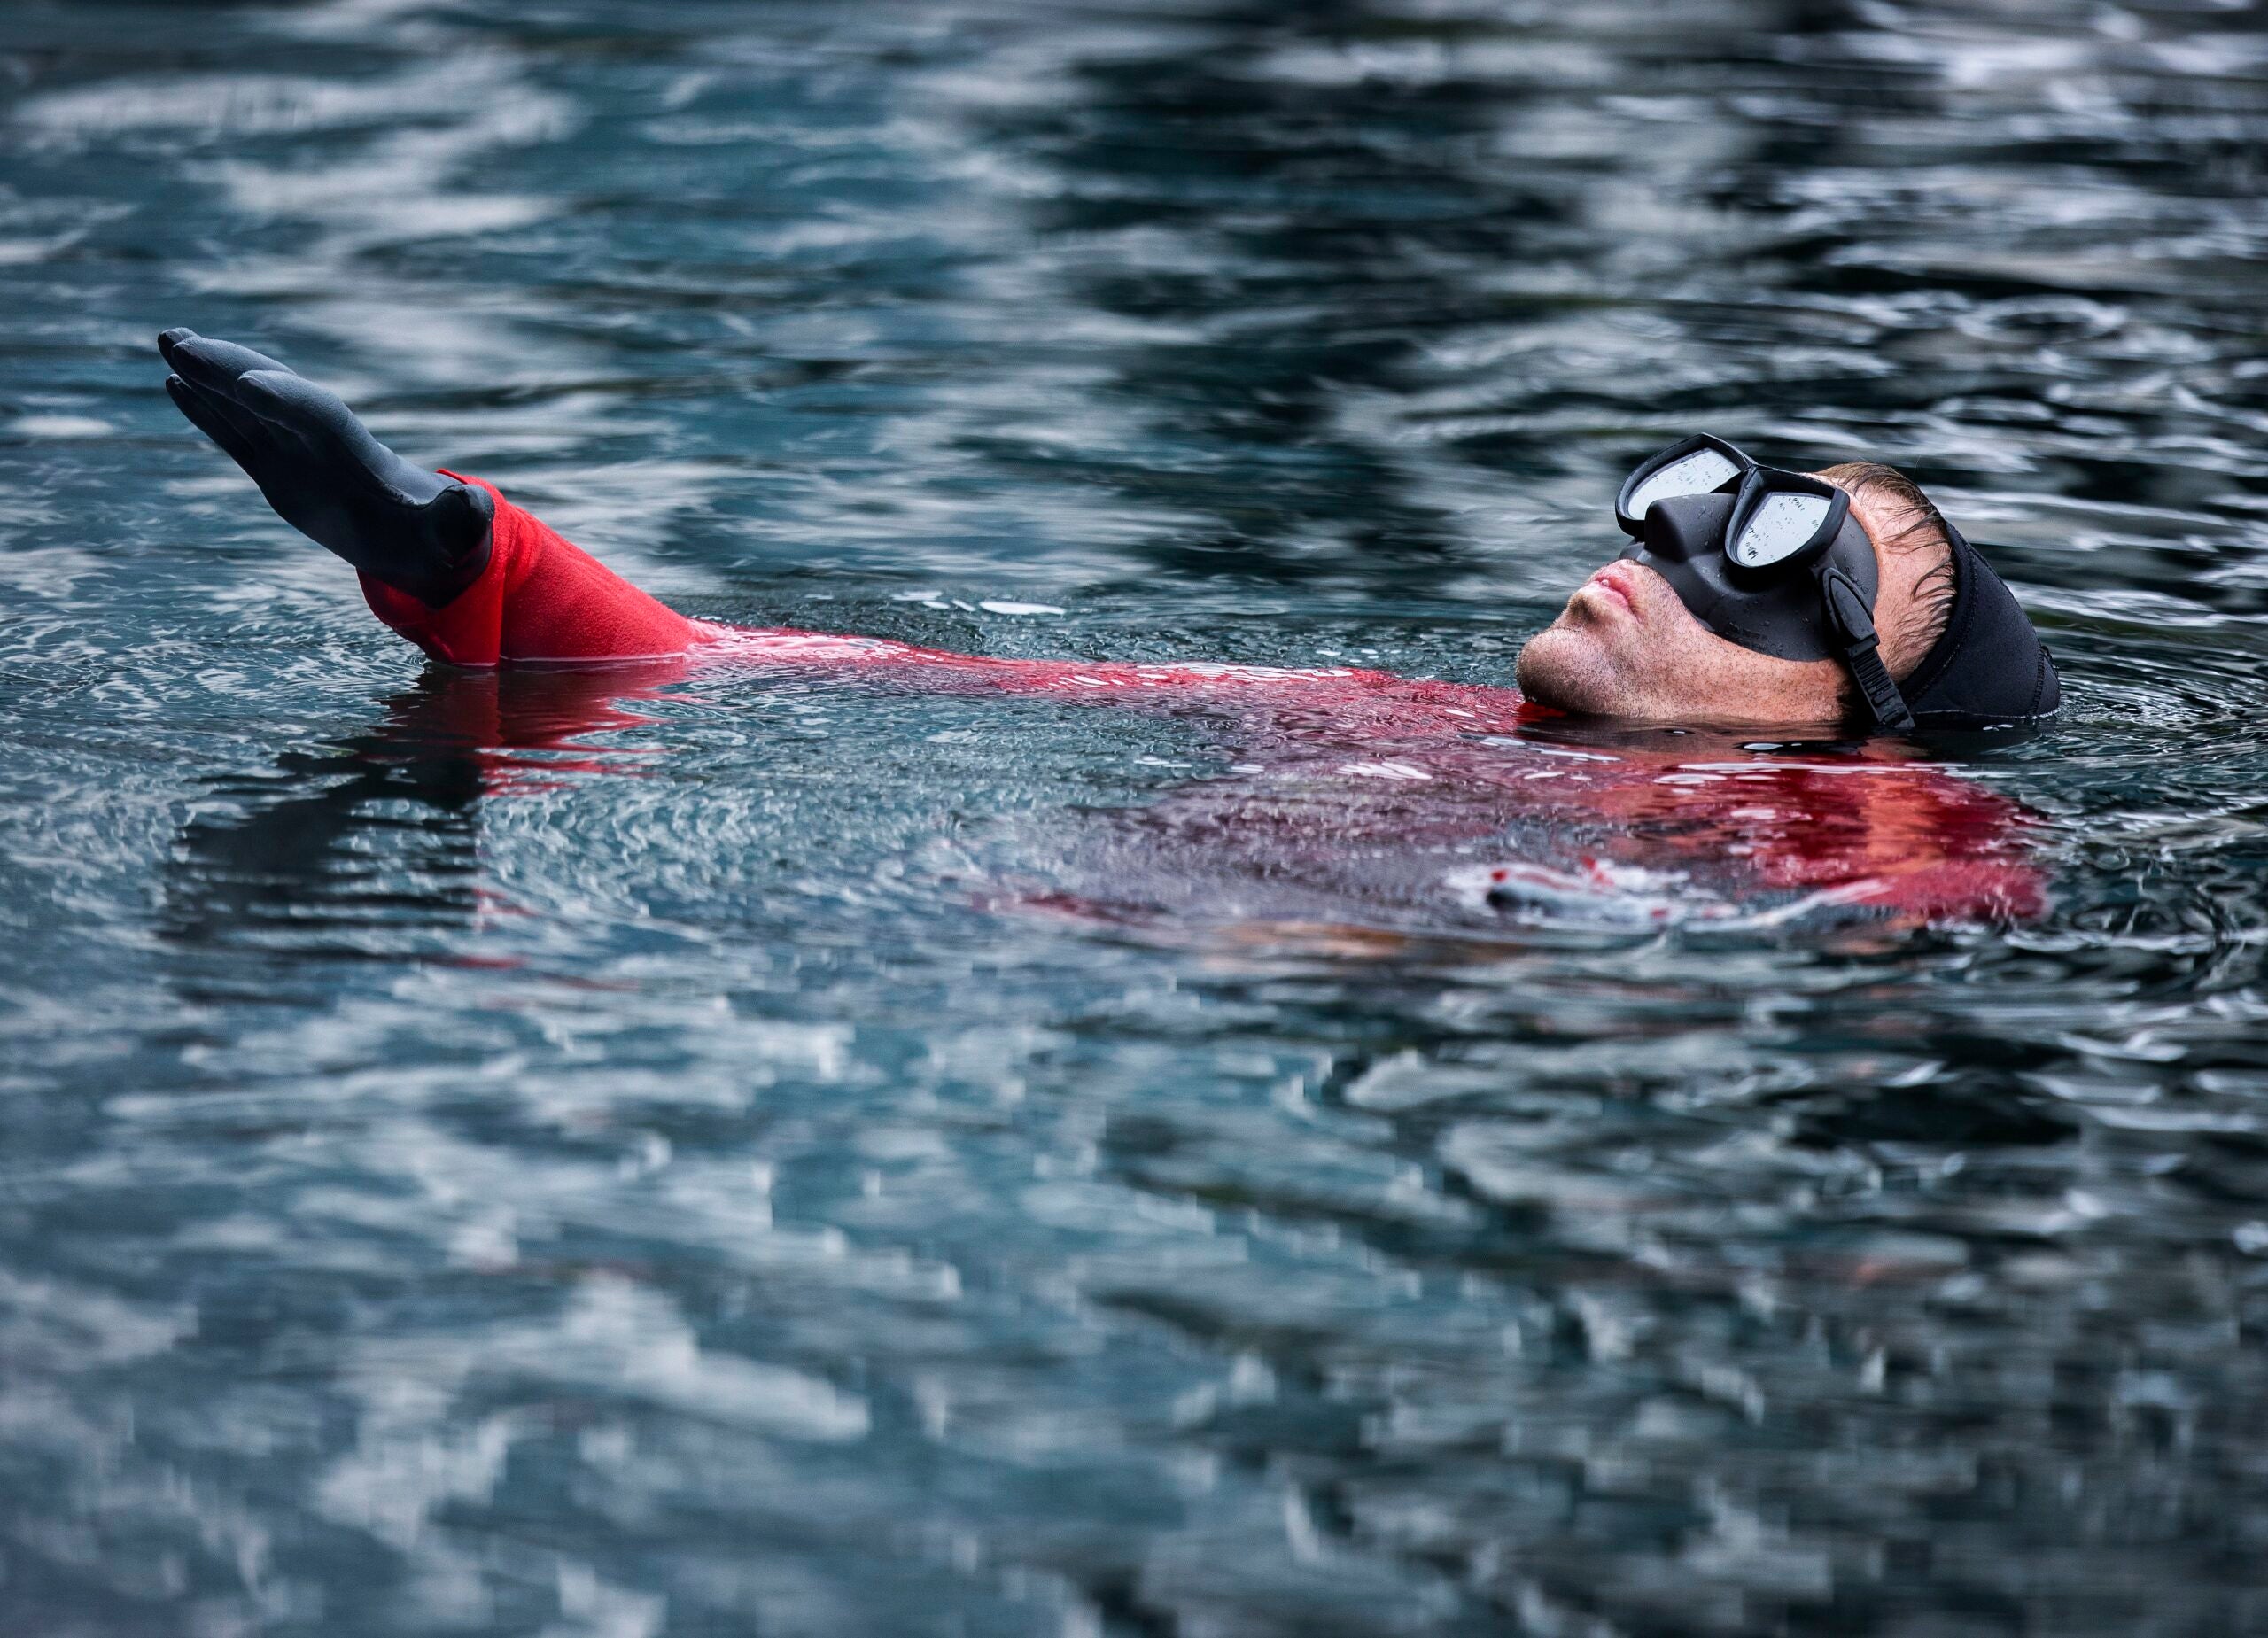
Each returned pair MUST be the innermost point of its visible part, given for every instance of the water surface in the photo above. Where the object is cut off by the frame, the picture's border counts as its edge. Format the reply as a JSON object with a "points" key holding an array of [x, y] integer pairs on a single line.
{"points": [[532, 1156]]}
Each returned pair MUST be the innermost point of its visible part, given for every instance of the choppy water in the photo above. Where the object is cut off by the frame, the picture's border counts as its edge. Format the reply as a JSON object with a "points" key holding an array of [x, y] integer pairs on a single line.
{"points": [[631, 1160]]}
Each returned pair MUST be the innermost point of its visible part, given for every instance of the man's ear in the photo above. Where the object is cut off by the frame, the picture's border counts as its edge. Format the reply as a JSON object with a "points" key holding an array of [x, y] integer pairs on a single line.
{"points": [[1912, 562]]}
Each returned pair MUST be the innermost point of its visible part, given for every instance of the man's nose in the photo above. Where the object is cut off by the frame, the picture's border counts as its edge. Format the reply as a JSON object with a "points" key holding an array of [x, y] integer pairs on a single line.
{"points": [[1683, 527]]}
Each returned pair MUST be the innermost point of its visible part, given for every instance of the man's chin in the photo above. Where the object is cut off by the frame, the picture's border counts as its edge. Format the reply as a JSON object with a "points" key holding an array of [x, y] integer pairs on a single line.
{"points": [[1569, 669]]}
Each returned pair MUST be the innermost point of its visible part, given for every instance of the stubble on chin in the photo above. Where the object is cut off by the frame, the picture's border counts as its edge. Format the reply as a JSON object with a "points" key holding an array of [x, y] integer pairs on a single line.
{"points": [[1568, 668]]}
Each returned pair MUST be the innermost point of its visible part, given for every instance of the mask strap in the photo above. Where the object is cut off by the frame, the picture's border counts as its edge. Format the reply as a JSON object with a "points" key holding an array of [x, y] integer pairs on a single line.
{"points": [[1854, 628]]}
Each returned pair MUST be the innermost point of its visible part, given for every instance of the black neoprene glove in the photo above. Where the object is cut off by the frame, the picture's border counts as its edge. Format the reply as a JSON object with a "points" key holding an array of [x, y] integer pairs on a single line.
{"points": [[324, 474]]}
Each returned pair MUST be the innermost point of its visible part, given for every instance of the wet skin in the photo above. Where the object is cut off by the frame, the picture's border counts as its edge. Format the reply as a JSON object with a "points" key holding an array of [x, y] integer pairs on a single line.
{"points": [[1626, 647]]}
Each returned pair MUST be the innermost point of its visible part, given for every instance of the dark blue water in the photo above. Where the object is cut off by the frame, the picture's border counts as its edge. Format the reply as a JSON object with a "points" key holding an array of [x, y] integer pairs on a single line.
{"points": [[531, 1159]]}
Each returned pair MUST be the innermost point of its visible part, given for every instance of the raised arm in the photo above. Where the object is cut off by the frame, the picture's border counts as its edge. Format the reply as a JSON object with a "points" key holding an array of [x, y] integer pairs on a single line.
{"points": [[453, 566], [419, 532], [443, 559]]}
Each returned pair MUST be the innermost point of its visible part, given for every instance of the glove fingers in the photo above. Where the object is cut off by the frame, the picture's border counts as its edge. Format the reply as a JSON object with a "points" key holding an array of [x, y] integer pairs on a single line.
{"points": [[248, 426], [290, 399], [209, 416], [292, 402], [212, 366]]}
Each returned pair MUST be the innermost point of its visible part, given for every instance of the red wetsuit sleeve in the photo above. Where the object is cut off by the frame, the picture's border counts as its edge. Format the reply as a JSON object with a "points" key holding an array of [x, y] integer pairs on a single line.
{"points": [[541, 598]]}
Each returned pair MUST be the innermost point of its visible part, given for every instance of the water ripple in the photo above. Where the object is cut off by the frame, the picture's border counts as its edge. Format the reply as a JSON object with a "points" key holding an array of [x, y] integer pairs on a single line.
{"points": [[639, 1153]]}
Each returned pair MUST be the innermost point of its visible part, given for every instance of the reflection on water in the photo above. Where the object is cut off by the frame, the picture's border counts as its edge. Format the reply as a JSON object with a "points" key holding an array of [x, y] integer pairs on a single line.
{"points": [[308, 858], [644, 1153]]}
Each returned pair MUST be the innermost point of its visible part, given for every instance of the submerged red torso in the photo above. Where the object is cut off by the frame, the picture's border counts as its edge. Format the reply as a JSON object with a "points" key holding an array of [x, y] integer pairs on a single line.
{"points": [[1465, 792]]}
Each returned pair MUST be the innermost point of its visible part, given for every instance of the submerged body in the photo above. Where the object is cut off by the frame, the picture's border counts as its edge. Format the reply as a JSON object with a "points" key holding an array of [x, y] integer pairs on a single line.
{"points": [[1419, 804]]}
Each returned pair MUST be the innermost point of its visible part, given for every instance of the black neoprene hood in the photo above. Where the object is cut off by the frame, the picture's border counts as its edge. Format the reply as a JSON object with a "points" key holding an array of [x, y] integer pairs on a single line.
{"points": [[1989, 666]]}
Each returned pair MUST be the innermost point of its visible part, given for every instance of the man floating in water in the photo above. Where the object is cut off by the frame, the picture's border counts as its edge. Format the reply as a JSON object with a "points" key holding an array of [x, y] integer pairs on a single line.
{"points": [[1748, 598]]}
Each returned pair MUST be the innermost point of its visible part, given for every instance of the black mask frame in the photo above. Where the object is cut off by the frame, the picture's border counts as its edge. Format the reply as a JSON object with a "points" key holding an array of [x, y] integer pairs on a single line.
{"points": [[1785, 569]]}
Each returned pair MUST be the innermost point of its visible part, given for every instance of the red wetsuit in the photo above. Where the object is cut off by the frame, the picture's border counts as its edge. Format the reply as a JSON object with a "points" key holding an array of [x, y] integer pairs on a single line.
{"points": [[1344, 771]]}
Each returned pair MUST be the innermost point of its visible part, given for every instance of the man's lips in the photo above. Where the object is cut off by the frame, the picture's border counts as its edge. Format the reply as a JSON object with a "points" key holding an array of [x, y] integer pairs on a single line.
{"points": [[1612, 580]]}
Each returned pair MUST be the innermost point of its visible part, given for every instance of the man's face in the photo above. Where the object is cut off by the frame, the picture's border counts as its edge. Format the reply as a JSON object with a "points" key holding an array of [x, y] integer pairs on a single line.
{"points": [[1626, 646]]}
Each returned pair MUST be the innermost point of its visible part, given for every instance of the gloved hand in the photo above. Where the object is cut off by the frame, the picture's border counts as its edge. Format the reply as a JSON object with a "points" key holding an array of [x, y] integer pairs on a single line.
{"points": [[415, 531]]}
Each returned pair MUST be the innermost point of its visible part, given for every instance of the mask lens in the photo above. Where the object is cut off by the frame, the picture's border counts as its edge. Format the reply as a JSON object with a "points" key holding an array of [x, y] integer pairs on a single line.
{"points": [[1696, 474], [1782, 525]]}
